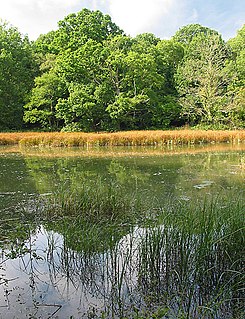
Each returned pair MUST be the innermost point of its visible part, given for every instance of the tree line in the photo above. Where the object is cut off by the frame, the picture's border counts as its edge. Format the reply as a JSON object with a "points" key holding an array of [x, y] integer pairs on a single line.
{"points": [[88, 75]]}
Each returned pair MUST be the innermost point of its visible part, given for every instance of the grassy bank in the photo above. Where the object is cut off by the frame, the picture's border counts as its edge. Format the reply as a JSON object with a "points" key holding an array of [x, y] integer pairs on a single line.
{"points": [[127, 138]]}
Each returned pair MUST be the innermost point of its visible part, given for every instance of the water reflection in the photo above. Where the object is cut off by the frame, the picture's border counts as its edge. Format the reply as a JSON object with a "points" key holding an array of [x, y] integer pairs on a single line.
{"points": [[23, 176], [74, 268], [142, 270]]}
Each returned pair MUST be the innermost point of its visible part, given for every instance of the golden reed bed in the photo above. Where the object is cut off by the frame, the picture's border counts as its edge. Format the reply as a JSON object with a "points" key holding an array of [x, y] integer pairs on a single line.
{"points": [[127, 138]]}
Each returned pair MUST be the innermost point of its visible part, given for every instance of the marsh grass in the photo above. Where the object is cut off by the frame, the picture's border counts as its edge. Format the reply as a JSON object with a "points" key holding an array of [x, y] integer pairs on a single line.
{"points": [[177, 260], [143, 257], [96, 200], [193, 262], [102, 211], [127, 138]]}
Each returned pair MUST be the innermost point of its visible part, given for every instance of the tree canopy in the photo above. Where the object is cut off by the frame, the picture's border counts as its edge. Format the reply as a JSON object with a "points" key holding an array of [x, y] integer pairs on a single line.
{"points": [[17, 72], [88, 75]]}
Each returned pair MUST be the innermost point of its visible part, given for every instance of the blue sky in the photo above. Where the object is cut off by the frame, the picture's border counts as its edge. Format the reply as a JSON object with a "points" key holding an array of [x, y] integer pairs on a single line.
{"points": [[161, 17]]}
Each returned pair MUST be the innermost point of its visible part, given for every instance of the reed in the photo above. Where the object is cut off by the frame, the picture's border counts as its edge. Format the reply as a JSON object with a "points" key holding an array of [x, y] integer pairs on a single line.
{"points": [[127, 138], [186, 258]]}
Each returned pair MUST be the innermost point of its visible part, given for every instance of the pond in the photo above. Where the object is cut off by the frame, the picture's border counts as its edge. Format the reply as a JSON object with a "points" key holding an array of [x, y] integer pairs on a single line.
{"points": [[122, 233]]}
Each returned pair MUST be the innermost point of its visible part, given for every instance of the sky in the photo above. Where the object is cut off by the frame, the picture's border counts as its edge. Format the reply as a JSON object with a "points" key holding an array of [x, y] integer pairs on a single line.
{"points": [[161, 17]]}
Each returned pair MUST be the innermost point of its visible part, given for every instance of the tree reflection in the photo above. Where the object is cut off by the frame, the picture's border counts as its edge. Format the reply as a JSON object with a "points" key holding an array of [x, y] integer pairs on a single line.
{"points": [[186, 264], [110, 243]]}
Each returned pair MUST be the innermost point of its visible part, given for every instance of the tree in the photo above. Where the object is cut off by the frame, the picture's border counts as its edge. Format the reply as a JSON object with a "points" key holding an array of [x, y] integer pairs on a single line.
{"points": [[169, 55], [94, 77], [187, 33], [88, 90], [49, 88], [112, 84], [17, 71], [119, 83], [202, 80], [64, 91], [136, 80], [236, 88], [76, 29]]}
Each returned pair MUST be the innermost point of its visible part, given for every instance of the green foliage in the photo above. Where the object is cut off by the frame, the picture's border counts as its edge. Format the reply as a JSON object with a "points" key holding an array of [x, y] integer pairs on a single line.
{"points": [[49, 88], [82, 109], [186, 34], [169, 54], [236, 68], [92, 77], [76, 29], [96, 201], [210, 80], [119, 84], [17, 70], [202, 80], [46, 44], [110, 81]]}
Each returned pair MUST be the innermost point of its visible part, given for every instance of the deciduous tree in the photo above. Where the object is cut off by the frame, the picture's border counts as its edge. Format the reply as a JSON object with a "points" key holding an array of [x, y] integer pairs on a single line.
{"points": [[202, 80], [17, 71]]}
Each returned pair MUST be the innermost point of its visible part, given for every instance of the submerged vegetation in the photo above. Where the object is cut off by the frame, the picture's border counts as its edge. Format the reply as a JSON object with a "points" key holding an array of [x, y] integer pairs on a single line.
{"points": [[128, 138]]}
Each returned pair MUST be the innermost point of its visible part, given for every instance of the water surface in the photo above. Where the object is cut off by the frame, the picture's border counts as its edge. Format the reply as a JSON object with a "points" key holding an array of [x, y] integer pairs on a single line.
{"points": [[45, 275]]}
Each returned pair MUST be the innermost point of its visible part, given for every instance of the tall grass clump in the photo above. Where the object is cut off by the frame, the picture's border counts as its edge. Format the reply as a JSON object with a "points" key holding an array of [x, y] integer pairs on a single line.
{"points": [[192, 264], [95, 200], [180, 260], [102, 211]]}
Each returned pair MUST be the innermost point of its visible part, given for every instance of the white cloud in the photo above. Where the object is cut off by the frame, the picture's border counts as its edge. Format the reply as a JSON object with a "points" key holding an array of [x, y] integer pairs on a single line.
{"points": [[34, 17], [161, 17], [138, 16]]}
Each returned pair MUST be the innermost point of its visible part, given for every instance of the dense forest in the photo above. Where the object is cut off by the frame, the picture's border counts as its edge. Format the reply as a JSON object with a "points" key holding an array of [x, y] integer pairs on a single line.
{"points": [[88, 75]]}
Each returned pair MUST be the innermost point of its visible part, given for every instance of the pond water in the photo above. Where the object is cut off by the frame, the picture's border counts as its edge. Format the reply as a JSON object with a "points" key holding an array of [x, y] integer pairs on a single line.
{"points": [[45, 273]]}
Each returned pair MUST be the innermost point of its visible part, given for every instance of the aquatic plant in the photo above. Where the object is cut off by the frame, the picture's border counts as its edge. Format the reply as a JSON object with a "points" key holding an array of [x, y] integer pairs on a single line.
{"points": [[143, 257], [192, 262], [178, 260], [95, 200]]}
